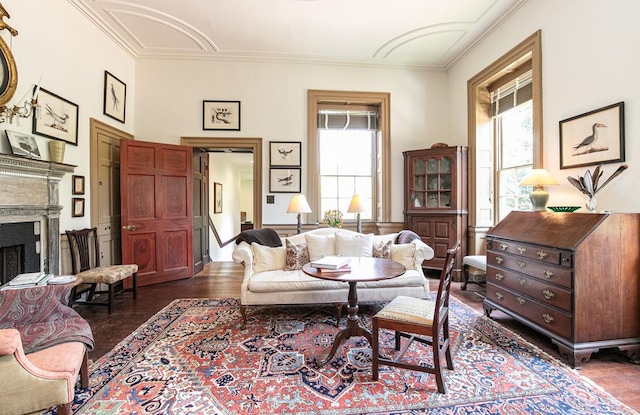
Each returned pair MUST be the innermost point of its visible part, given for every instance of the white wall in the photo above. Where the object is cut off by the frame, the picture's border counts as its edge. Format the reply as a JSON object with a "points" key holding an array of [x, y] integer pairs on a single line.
{"points": [[274, 106], [227, 223], [590, 59], [56, 41]]}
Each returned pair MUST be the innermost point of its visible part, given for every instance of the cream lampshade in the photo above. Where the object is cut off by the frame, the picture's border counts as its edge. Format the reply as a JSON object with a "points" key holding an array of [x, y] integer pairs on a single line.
{"points": [[356, 207], [539, 197], [299, 205]]}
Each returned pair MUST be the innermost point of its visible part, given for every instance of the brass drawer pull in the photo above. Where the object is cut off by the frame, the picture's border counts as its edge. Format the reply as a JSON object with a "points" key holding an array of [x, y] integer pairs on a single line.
{"points": [[542, 254], [523, 281], [547, 318], [521, 249], [521, 300], [499, 276], [503, 246], [499, 260], [548, 274], [548, 294], [522, 264], [499, 296]]}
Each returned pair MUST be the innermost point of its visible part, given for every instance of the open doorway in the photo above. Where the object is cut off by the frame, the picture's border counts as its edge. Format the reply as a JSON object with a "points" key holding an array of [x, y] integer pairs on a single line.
{"points": [[237, 150]]}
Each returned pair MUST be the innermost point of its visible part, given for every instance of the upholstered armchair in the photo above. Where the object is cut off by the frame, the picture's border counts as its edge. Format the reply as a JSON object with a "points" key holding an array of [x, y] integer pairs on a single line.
{"points": [[43, 348]]}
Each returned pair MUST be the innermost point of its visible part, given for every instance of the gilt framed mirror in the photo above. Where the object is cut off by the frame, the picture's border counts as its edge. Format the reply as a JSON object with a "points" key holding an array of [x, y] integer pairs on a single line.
{"points": [[8, 70]]}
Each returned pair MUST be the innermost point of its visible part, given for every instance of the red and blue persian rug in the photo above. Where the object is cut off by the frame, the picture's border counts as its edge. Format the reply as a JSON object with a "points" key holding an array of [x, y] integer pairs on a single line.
{"points": [[192, 358]]}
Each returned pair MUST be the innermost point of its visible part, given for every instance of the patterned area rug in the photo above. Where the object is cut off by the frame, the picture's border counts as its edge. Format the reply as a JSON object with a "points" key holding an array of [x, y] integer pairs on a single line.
{"points": [[192, 358]]}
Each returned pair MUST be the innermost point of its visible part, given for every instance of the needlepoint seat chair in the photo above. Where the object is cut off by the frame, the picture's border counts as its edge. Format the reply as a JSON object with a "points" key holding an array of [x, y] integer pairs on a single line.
{"points": [[85, 264], [423, 321]]}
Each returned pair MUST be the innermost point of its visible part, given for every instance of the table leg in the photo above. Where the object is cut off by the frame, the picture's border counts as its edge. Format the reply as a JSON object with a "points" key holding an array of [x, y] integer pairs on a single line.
{"points": [[353, 327]]}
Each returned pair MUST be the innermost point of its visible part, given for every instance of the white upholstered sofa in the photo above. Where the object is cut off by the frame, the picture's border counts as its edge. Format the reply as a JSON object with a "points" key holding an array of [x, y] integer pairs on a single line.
{"points": [[273, 275]]}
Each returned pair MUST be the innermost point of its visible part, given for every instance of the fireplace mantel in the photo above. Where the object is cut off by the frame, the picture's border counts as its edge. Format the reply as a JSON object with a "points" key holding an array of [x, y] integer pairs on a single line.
{"points": [[30, 193]]}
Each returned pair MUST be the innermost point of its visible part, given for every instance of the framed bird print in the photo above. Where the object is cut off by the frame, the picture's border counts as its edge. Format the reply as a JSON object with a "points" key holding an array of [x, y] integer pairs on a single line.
{"points": [[595, 137], [115, 97], [285, 153], [221, 115], [284, 180], [58, 118]]}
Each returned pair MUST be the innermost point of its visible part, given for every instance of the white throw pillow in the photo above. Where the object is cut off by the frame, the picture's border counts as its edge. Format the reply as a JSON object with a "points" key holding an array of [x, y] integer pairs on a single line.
{"points": [[354, 244], [404, 254], [320, 246], [266, 258]]}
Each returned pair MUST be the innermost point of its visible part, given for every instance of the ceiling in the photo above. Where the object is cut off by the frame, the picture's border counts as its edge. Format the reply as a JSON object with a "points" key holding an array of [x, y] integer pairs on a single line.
{"points": [[430, 34]]}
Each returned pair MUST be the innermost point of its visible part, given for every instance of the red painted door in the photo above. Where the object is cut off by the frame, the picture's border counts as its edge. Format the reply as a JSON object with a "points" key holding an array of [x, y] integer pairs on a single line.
{"points": [[156, 208]]}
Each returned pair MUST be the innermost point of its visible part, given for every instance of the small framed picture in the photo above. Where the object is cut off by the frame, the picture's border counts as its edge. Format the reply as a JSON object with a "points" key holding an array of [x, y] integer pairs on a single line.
{"points": [[594, 137], [23, 144], [78, 185], [284, 180], [115, 97], [217, 198], [59, 118], [221, 115], [285, 153], [78, 207]]}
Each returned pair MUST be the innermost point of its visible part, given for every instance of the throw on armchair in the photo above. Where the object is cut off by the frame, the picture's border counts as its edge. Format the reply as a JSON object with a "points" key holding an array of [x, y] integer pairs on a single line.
{"points": [[43, 347]]}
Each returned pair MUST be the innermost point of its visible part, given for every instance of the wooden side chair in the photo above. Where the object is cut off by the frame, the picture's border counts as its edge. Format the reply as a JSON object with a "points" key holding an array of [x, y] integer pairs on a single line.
{"points": [[85, 263], [415, 318]]}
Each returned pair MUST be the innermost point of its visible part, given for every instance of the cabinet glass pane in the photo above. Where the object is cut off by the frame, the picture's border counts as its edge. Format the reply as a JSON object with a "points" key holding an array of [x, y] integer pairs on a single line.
{"points": [[445, 199], [419, 167], [432, 166], [445, 165], [417, 199], [432, 200], [433, 182], [445, 182], [419, 183]]}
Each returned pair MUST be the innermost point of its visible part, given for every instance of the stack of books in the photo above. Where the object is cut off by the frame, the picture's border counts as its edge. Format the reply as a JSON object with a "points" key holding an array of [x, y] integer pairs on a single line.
{"points": [[332, 264], [31, 279]]}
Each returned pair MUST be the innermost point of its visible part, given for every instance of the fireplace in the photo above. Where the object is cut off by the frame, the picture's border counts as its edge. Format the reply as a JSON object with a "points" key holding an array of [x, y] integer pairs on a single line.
{"points": [[30, 214]]}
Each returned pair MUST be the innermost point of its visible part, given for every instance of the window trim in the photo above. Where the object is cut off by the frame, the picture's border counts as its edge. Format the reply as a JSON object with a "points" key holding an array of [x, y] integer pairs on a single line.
{"points": [[478, 100], [382, 191]]}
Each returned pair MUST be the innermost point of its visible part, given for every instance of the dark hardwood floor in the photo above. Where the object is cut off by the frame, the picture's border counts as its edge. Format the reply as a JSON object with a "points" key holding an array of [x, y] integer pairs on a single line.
{"points": [[609, 369]]}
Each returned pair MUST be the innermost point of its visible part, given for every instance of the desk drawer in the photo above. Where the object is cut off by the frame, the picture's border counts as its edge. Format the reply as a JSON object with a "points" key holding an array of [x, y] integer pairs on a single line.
{"points": [[545, 272], [547, 317], [539, 253], [546, 293]]}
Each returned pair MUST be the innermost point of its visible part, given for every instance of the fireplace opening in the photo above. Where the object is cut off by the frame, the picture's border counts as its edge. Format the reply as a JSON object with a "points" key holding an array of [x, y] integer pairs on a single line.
{"points": [[19, 249]]}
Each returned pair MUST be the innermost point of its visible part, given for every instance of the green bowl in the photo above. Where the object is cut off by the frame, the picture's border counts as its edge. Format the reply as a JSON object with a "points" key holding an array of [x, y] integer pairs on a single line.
{"points": [[564, 208]]}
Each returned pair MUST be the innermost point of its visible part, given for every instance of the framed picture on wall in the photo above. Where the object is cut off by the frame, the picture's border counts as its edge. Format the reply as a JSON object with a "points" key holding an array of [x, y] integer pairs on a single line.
{"points": [[217, 198], [594, 137], [284, 180], [78, 185], [221, 115], [59, 118], [78, 207], [285, 153], [23, 144], [115, 97]]}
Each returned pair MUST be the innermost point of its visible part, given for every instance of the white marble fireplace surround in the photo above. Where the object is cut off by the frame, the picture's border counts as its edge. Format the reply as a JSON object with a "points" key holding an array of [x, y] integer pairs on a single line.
{"points": [[29, 191]]}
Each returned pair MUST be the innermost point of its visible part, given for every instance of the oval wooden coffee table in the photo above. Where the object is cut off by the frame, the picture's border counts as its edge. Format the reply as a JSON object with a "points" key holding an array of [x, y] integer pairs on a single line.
{"points": [[362, 269]]}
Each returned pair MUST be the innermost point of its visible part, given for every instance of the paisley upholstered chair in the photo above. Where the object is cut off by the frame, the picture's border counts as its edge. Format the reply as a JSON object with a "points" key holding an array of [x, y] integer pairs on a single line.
{"points": [[423, 321], [85, 263], [43, 348]]}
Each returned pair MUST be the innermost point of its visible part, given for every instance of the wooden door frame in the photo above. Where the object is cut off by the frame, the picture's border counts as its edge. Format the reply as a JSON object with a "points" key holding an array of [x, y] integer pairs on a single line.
{"points": [[94, 126], [253, 143]]}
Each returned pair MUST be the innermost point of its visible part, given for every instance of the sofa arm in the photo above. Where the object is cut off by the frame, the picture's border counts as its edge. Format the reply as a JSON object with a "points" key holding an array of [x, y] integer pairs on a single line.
{"points": [[423, 251], [242, 254]]}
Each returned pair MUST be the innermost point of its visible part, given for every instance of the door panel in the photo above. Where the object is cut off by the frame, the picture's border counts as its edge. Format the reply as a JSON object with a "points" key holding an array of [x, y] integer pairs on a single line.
{"points": [[200, 167], [157, 210]]}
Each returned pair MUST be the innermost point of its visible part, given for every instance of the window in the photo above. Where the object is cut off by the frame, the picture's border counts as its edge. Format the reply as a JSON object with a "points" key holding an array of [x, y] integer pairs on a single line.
{"points": [[348, 152], [346, 139], [493, 173], [513, 134]]}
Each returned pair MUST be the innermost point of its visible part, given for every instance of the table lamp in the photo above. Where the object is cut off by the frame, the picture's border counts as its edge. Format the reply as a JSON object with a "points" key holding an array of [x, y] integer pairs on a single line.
{"points": [[539, 197], [356, 207], [299, 205]]}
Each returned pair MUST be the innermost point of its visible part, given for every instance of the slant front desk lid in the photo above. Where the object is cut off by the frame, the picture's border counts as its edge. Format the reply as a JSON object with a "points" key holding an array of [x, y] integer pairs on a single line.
{"points": [[559, 230]]}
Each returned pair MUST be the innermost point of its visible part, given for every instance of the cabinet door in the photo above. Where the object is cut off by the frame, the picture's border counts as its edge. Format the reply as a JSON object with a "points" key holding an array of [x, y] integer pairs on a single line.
{"points": [[432, 179], [439, 233]]}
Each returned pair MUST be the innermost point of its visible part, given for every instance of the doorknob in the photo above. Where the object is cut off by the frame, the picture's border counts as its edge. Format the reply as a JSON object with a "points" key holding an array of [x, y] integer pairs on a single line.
{"points": [[129, 227]]}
